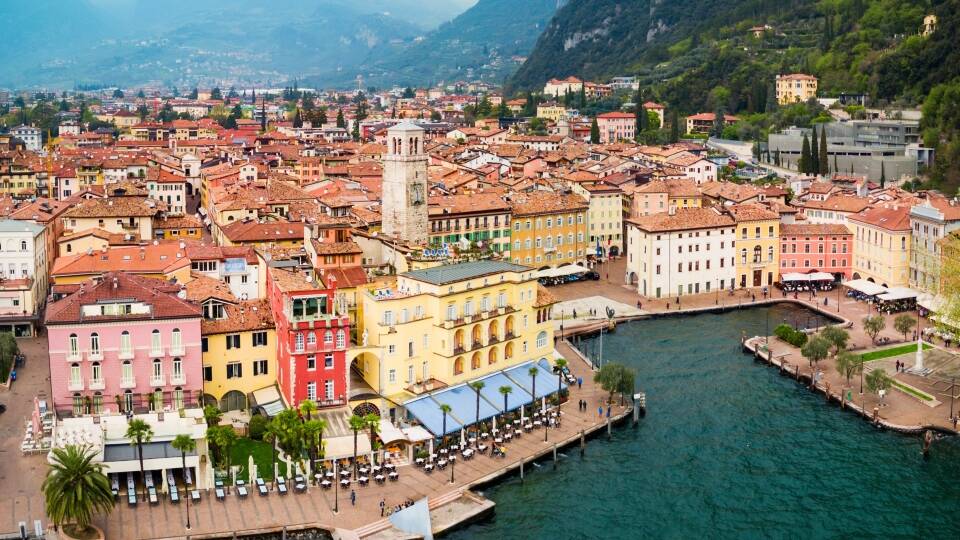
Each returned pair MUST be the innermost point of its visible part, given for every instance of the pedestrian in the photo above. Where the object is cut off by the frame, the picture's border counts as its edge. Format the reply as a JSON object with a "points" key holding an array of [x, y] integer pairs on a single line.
{"points": [[579, 383], [383, 505], [600, 411], [954, 423], [608, 410], [638, 304], [574, 314], [353, 498], [668, 306]]}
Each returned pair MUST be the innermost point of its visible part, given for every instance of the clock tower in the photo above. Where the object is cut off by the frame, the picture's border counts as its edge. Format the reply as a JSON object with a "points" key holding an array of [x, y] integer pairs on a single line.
{"points": [[404, 208]]}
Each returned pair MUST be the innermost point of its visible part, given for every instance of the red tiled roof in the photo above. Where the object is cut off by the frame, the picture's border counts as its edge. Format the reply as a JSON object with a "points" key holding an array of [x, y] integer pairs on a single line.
{"points": [[161, 296]]}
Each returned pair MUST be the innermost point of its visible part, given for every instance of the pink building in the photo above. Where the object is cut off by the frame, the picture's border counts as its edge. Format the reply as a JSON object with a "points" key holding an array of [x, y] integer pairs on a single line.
{"points": [[806, 248], [617, 126], [124, 343]]}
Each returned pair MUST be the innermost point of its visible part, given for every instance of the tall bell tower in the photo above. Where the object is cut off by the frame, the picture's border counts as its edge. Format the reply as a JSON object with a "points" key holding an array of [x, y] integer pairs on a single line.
{"points": [[404, 210]]}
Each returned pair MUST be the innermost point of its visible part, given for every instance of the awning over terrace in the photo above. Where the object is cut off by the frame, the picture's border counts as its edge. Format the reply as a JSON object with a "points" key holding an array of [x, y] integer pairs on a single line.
{"points": [[898, 293], [462, 399], [868, 288]]}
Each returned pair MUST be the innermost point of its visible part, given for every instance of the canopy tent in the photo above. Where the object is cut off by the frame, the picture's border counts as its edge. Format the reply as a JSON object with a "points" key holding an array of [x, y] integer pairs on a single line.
{"points": [[868, 288], [897, 293], [462, 399], [930, 302], [342, 447], [560, 271], [417, 434], [793, 276], [388, 433], [820, 276]]}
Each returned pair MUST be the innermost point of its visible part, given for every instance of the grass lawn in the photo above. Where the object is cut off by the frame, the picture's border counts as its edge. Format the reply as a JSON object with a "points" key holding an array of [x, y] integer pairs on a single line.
{"points": [[892, 351], [262, 456], [913, 391]]}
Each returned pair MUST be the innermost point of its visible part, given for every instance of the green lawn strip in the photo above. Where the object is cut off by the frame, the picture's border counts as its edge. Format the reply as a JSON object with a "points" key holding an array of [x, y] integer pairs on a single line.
{"points": [[262, 456], [913, 391], [892, 351]]}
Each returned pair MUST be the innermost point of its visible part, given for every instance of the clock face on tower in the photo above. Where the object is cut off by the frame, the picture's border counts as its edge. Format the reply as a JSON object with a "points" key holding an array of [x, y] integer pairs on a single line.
{"points": [[416, 194]]}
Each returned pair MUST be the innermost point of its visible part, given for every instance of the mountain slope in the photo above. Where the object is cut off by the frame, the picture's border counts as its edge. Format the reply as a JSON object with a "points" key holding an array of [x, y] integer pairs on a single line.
{"points": [[480, 43]]}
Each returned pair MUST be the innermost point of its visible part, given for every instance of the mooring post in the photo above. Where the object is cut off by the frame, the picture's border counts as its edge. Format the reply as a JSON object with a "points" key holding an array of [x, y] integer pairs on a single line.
{"points": [[521, 470], [583, 443], [636, 412], [609, 429], [554, 455]]}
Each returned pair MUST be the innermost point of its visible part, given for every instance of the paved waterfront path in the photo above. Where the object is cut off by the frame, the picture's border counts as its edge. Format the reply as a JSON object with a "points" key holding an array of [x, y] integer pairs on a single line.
{"points": [[316, 507]]}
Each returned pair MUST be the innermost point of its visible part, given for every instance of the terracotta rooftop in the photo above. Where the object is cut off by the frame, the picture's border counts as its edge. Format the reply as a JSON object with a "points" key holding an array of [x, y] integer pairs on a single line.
{"points": [[752, 212], [683, 219], [808, 229], [839, 203], [201, 288], [160, 295], [894, 218], [114, 207], [241, 317], [545, 202], [162, 258]]}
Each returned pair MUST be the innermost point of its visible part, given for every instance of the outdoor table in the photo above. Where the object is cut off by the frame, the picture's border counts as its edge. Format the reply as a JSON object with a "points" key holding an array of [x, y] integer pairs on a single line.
{"points": [[363, 480], [443, 450], [344, 474], [495, 431], [472, 440], [484, 435], [364, 470], [376, 468], [537, 423], [418, 461], [517, 422], [330, 474], [316, 478], [326, 484], [195, 496], [498, 440], [428, 467], [393, 475], [345, 482], [453, 458], [482, 448], [391, 466], [433, 457], [518, 433], [508, 436], [442, 463], [379, 478]]}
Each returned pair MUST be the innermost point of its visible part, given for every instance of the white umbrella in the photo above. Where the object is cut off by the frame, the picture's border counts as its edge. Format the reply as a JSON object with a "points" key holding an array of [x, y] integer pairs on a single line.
{"points": [[494, 424], [463, 437], [431, 446], [543, 404]]}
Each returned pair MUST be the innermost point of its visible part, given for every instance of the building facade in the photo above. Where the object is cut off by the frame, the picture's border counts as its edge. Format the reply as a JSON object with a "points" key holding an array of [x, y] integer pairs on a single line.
{"points": [[23, 275], [617, 126], [930, 223], [405, 184], [881, 245], [549, 229], [795, 88], [683, 251], [758, 245], [124, 343], [806, 248]]}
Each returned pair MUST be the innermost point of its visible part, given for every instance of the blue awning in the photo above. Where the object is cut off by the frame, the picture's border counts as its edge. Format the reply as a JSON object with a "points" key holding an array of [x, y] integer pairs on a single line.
{"points": [[462, 399]]}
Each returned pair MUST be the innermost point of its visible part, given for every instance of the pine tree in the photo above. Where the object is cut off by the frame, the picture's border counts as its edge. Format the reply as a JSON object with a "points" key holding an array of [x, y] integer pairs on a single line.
{"points": [[583, 97], [322, 116], [814, 149], [297, 119], [718, 123], [674, 126], [824, 160], [594, 132], [341, 123], [771, 105], [803, 166], [835, 167]]}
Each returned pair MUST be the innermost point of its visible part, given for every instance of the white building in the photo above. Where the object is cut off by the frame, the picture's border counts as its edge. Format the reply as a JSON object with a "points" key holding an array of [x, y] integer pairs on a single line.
{"points": [[685, 251], [23, 275], [237, 266], [405, 184], [31, 137]]}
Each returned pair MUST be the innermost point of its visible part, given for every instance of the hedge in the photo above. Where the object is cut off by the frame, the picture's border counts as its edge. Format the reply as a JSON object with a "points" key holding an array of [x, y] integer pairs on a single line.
{"points": [[790, 335]]}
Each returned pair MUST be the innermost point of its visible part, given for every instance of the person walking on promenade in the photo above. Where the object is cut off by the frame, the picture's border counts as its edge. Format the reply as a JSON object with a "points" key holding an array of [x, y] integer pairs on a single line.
{"points": [[353, 498], [579, 383], [383, 505], [608, 410], [600, 411]]}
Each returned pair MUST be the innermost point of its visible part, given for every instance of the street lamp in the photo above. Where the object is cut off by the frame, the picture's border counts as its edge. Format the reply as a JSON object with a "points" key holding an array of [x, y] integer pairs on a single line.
{"points": [[561, 324], [336, 488]]}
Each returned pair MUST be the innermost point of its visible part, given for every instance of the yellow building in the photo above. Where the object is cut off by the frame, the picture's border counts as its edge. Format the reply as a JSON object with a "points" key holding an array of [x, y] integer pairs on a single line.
{"points": [[549, 229], [757, 245], [551, 111], [239, 347], [118, 215], [881, 245], [605, 218], [795, 88], [449, 324]]}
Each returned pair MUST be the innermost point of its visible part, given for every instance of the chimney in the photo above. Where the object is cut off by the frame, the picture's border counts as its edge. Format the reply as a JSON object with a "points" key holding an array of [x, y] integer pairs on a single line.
{"points": [[115, 283]]}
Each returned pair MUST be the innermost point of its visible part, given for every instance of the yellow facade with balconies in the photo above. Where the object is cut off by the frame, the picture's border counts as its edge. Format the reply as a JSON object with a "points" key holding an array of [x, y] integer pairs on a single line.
{"points": [[449, 324]]}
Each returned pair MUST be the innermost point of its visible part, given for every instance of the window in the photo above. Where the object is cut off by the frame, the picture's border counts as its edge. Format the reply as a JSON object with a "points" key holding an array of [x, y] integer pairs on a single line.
{"points": [[74, 345], [95, 343], [298, 342], [155, 347], [410, 373], [177, 368], [328, 361], [204, 346], [451, 312], [260, 338], [392, 376], [312, 391], [311, 362], [541, 340], [259, 367], [388, 318], [341, 339], [176, 342], [328, 337], [126, 371], [208, 373], [157, 370], [391, 349], [233, 341], [75, 377], [125, 347], [328, 390]]}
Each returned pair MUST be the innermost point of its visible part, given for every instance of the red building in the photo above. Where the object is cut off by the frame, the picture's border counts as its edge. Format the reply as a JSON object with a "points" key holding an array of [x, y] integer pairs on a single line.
{"points": [[806, 248], [313, 334]]}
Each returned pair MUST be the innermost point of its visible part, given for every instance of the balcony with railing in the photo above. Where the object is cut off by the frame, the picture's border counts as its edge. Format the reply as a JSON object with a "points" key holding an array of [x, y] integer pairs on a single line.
{"points": [[157, 381], [97, 384], [75, 385], [125, 354], [128, 382], [95, 355], [177, 350], [74, 356], [156, 351], [178, 378]]}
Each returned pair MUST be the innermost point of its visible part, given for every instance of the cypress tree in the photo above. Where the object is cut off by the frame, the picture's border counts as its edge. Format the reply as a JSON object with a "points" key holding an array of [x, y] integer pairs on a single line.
{"points": [[297, 119], [674, 126], [803, 166], [776, 158], [341, 123], [583, 97], [824, 160], [883, 175], [771, 105], [835, 167], [594, 132], [643, 122], [814, 150]]}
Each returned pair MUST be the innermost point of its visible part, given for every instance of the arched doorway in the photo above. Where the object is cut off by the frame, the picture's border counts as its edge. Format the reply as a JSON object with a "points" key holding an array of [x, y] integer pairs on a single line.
{"points": [[458, 366], [856, 275], [366, 408], [508, 351], [210, 400], [508, 327], [477, 335], [492, 356], [233, 401], [614, 251], [493, 332], [458, 341], [475, 361]]}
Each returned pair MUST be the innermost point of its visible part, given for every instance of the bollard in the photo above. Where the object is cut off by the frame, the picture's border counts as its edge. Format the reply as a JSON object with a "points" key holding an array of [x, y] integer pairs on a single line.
{"points": [[636, 413], [521, 470], [554, 456], [826, 391], [609, 429], [583, 443]]}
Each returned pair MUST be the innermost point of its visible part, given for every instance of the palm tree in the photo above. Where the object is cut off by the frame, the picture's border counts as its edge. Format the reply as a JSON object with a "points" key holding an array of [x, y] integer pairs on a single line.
{"points": [[75, 487], [505, 390], [212, 414], [533, 372], [185, 443], [312, 430], [270, 435], [139, 432], [477, 387], [561, 363], [357, 423], [307, 408], [373, 424], [445, 409]]}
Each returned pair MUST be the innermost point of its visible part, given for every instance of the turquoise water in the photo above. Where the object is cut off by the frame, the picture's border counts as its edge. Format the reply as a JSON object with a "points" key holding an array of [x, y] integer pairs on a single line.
{"points": [[729, 448]]}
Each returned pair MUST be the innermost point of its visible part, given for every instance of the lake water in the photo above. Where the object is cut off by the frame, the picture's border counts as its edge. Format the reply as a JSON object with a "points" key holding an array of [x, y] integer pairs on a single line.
{"points": [[729, 448]]}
